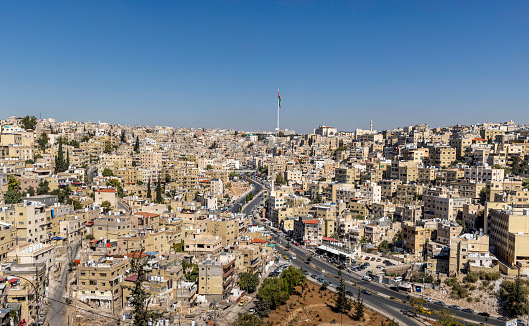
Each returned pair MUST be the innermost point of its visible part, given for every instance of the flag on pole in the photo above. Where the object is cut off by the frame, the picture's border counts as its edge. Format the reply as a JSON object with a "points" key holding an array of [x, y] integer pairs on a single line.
{"points": [[279, 98]]}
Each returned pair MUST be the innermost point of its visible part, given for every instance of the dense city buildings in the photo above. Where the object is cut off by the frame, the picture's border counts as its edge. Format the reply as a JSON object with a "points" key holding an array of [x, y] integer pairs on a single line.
{"points": [[81, 200]]}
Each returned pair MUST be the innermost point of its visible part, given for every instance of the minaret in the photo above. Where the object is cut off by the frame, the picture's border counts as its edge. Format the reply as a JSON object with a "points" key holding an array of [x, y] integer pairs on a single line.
{"points": [[371, 125]]}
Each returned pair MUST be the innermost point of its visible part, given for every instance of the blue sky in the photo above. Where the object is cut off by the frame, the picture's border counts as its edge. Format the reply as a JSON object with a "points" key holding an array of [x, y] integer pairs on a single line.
{"points": [[220, 63]]}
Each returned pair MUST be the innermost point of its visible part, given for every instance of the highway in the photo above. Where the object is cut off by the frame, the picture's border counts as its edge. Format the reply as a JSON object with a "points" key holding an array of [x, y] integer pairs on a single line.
{"points": [[383, 302]]}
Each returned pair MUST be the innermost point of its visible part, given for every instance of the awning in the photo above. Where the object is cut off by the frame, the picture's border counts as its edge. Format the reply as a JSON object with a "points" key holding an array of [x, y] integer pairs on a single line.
{"points": [[272, 245], [58, 238], [332, 250], [13, 280]]}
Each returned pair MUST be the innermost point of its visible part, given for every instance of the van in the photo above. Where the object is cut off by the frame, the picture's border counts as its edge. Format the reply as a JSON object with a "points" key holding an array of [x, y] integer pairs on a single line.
{"points": [[366, 278]]}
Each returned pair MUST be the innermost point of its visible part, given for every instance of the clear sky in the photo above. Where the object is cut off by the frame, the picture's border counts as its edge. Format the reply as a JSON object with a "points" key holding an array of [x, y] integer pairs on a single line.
{"points": [[220, 63]]}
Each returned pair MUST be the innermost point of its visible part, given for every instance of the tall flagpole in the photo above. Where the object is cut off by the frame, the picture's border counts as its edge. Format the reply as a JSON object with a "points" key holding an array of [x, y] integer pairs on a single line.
{"points": [[277, 129]]}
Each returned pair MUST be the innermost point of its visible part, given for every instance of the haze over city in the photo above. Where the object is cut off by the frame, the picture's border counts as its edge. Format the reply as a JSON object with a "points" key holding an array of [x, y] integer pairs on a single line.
{"points": [[219, 64]]}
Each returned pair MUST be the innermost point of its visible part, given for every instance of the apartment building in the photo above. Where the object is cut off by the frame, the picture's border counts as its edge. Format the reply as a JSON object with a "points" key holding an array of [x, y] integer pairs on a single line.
{"points": [[414, 236], [226, 228], [484, 174], [307, 229], [509, 236], [442, 156], [38, 253], [99, 280], [469, 252], [202, 244], [444, 207]]}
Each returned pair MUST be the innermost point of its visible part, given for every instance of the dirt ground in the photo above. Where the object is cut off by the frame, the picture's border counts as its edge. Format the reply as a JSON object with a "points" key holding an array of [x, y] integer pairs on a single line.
{"points": [[315, 310], [239, 188]]}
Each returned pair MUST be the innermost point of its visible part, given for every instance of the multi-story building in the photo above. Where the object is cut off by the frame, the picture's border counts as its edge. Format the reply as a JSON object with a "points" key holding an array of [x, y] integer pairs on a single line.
{"points": [[469, 251], [202, 244], [509, 236]]}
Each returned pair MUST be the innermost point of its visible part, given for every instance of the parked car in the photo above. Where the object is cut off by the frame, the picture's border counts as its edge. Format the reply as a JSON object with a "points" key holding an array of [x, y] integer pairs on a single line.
{"points": [[428, 299], [372, 258], [484, 314], [378, 259], [440, 303], [367, 258], [381, 266], [242, 302], [366, 278], [468, 310], [455, 307]]}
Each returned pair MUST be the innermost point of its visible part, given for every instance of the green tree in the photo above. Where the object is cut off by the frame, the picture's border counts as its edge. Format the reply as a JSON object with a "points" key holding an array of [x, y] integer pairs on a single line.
{"points": [[12, 197], [149, 194], [262, 308], [167, 178], [445, 318], [279, 179], [31, 191], [137, 145], [43, 141], [159, 198], [107, 172], [114, 183], [273, 290], [12, 182], [43, 188], [384, 246], [89, 237], [106, 206], [123, 137], [60, 163], [317, 200], [140, 298], [293, 277], [342, 304], [248, 281], [483, 195], [514, 294], [248, 320], [75, 203], [29, 122], [359, 308]]}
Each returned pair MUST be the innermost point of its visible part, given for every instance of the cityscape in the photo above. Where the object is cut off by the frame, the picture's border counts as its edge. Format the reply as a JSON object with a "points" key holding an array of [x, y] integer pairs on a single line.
{"points": [[264, 163], [400, 226]]}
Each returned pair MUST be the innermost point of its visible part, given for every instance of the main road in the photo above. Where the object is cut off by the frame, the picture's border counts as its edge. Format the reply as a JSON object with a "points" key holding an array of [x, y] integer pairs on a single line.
{"points": [[382, 301]]}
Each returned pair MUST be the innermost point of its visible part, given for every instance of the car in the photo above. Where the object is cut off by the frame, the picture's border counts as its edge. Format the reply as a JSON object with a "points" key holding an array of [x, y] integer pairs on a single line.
{"points": [[251, 311], [484, 314], [440, 303], [381, 266], [349, 293], [455, 307], [468, 310], [306, 273], [428, 299], [372, 258], [367, 258], [242, 302], [314, 276], [330, 285], [297, 244], [286, 257], [364, 291], [366, 278], [378, 259], [520, 323], [292, 256], [367, 264]]}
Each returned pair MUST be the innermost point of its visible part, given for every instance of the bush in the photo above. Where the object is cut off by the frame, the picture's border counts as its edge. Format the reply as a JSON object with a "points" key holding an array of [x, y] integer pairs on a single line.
{"points": [[472, 277]]}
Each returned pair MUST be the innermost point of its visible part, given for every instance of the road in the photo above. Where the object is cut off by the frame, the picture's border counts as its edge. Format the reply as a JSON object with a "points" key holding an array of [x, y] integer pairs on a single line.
{"points": [[256, 187], [58, 311], [383, 302]]}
